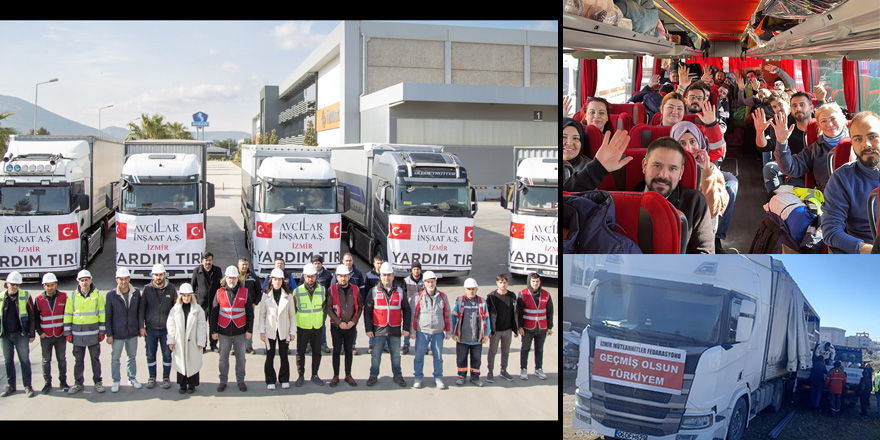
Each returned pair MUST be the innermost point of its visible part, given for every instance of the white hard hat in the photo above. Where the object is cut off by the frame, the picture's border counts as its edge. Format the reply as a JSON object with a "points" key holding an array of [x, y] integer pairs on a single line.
{"points": [[342, 270], [83, 274], [429, 275], [49, 278], [309, 269], [232, 271], [277, 273], [158, 268], [386, 268], [470, 283], [13, 278], [122, 272], [185, 288]]}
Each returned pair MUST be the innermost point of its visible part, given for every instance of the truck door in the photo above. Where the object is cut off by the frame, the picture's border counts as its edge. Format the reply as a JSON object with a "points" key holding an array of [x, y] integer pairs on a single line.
{"points": [[381, 210]]}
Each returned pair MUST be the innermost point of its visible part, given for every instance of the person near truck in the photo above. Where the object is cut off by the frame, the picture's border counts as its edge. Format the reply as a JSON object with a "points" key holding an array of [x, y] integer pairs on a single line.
{"points": [[122, 305], [187, 337], [277, 321], [356, 278], [430, 325], [387, 318], [252, 283], [84, 327], [231, 322], [877, 389], [17, 329], [817, 381], [310, 299], [49, 321], [834, 383], [324, 278], [414, 284], [345, 310], [502, 318], [471, 329], [864, 391], [157, 300], [206, 282], [534, 319]]}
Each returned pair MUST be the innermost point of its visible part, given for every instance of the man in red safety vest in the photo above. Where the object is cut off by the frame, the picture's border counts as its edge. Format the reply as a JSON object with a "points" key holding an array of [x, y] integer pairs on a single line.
{"points": [[232, 323], [534, 318], [387, 316], [49, 320]]}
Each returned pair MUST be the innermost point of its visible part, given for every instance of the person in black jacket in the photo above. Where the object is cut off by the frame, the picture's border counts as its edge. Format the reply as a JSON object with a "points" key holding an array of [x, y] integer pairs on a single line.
{"points": [[205, 282], [589, 173], [253, 284], [157, 300], [121, 307], [502, 320], [817, 381], [864, 391]]}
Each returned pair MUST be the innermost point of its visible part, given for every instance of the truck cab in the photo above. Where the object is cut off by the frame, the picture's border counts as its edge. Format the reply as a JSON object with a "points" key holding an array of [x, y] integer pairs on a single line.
{"points": [[532, 199]]}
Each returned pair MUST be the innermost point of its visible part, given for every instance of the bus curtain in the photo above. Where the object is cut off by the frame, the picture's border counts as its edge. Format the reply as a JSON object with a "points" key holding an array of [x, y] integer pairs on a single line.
{"points": [[638, 79], [589, 72], [805, 74], [850, 76]]}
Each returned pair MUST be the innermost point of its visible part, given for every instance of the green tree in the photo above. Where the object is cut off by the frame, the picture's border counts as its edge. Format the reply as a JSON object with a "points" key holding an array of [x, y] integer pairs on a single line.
{"points": [[41, 132], [151, 127], [269, 139], [178, 131], [5, 132], [311, 138]]}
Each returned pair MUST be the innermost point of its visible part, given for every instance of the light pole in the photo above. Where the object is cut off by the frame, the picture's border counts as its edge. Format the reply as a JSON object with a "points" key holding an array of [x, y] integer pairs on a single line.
{"points": [[35, 101], [99, 115]]}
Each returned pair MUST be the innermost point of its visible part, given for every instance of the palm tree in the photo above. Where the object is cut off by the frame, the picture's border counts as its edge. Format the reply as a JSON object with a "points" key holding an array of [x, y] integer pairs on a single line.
{"points": [[178, 131], [152, 127], [5, 133]]}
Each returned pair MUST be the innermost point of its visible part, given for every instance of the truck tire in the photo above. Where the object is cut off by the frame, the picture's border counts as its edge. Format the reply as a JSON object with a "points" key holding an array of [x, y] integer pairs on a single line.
{"points": [[84, 252], [737, 425], [349, 231]]}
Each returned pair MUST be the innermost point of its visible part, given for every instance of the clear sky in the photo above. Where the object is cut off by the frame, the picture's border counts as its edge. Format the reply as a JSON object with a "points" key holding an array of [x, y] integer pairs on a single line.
{"points": [[174, 68]]}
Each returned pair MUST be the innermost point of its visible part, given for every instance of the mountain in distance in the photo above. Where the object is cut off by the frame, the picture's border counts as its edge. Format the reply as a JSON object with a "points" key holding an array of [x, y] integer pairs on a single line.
{"points": [[22, 120]]}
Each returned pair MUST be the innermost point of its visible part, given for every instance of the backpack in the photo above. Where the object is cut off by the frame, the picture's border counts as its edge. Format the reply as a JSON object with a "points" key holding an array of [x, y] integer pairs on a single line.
{"points": [[773, 235], [589, 226]]}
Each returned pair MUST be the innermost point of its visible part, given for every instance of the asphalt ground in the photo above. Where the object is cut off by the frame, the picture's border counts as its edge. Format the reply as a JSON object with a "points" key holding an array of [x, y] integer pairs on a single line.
{"points": [[519, 400]]}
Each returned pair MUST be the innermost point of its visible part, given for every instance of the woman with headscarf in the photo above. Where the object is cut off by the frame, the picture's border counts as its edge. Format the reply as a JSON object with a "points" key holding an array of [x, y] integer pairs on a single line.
{"points": [[711, 180], [587, 174]]}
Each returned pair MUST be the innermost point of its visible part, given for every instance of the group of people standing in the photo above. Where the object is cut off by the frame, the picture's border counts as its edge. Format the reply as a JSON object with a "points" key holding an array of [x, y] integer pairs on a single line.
{"points": [[216, 311]]}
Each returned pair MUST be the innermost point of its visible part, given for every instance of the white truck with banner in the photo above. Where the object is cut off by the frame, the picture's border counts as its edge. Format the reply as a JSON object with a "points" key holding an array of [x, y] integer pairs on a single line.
{"points": [[56, 199], [163, 207], [532, 199], [408, 203], [693, 347], [289, 206]]}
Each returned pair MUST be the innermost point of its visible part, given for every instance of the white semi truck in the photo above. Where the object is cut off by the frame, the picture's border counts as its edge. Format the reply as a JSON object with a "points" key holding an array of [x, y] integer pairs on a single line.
{"points": [[532, 199], [289, 206], [692, 348], [56, 202], [162, 211], [408, 203]]}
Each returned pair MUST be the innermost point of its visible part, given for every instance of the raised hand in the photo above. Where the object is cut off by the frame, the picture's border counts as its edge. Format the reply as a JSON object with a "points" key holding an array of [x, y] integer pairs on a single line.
{"points": [[770, 68], [779, 122], [708, 113], [760, 123], [683, 79], [819, 91], [654, 81], [611, 153], [566, 105]]}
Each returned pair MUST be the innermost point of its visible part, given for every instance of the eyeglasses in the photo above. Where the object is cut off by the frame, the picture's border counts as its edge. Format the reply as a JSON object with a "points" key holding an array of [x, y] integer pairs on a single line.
{"points": [[696, 98]]}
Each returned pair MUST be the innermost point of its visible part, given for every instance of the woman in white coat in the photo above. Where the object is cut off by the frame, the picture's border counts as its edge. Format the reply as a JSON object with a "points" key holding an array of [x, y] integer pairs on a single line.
{"points": [[187, 336], [277, 321]]}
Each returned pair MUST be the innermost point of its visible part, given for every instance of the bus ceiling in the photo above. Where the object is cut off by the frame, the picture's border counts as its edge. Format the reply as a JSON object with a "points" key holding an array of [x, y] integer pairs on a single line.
{"points": [[770, 29]]}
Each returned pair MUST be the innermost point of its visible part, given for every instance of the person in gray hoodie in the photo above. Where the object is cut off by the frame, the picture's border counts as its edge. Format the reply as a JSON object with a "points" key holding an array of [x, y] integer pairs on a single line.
{"points": [[430, 325]]}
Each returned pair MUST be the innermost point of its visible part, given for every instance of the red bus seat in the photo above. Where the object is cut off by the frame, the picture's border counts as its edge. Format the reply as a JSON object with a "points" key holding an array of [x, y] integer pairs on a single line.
{"points": [[642, 135], [636, 111], [621, 121], [651, 221], [873, 215], [594, 140], [691, 118]]}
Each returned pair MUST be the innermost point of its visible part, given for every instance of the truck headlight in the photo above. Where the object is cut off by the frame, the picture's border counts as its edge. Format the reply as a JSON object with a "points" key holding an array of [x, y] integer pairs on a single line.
{"points": [[582, 411], [696, 422]]}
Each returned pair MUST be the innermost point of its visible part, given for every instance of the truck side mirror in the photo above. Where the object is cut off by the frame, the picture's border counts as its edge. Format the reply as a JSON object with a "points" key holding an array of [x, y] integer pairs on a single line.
{"points": [[108, 200], [473, 201], [83, 201], [506, 196], [346, 199], [210, 195], [254, 197]]}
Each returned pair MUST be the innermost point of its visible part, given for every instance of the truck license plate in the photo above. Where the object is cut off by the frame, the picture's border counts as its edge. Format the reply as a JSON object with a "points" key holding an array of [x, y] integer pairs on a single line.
{"points": [[629, 435], [551, 273]]}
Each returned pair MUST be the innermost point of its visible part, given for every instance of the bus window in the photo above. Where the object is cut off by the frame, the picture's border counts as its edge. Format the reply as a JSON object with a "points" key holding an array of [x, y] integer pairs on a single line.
{"points": [[647, 71], [829, 74], [615, 82], [869, 85]]}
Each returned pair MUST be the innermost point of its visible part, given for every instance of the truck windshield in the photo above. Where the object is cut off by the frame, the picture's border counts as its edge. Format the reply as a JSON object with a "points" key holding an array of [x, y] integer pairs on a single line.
{"points": [[34, 200], [299, 200], [681, 313], [142, 198], [413, 199], [538, 199]]}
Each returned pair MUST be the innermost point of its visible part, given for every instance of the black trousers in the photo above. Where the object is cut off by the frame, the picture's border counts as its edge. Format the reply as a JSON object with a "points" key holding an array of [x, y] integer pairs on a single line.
{"points": [[308, 337], [528, 337], [342, 340], [284, 373]]}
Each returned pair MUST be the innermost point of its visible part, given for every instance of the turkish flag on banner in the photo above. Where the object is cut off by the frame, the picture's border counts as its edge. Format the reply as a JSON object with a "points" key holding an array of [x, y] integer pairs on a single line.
{"points": [[335, 229], [264, 230], [121, 230], [194, 231], [517, 230], [68, 231], [468, 233], [399, 231]]}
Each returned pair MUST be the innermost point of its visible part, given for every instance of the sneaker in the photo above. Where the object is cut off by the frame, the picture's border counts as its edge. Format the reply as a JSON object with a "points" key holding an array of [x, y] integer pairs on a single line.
{"points": [[490, 378], [270, 387], [115, 387], [285, 385], [46, 388], [65, 387], [151, 383], [506, 376], [540, 373], [459, 381], [317, 380], [417, 384], [166, 383], [354, 352], [29, 391], [325, 348], [75, 389], [135, 384], [440, 384], [250, 350], [190, 390], [372, 381], [299, 382], [404, 350], [524, 375], [99, 387], [7, 391], [476, 382]]}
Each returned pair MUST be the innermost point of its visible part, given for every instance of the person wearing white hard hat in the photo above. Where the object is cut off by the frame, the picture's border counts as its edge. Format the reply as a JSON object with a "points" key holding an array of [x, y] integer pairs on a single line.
{"points": [[387, 317], [344, 311], [310, 299], [355, 277], [187, 337], [534, 318], [414, 284], [17, 330], [158, 298], [277, 322], [49, 319], [252, 283], [430, 326], [471, 329], [206, 281], [84, 327], [232, 323], [324, 278], [121, 309]]}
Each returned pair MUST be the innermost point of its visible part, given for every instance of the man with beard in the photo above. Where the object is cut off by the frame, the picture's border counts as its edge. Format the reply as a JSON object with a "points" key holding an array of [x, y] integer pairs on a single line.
{"points": [[663, 165], [801, 112], [845, 225]]}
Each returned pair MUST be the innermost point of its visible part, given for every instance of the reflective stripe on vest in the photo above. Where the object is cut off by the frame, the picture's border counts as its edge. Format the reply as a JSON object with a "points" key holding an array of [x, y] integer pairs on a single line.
{"points": [[385, 313], [480, 308], [309, 311], [337, 307], [23, 296], [235, 312], [52, 319], [535, 315], [83, 321]]}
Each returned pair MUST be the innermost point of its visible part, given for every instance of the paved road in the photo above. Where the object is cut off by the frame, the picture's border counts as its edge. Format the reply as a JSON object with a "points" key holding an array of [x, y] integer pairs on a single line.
{"points": [[518, 400]]}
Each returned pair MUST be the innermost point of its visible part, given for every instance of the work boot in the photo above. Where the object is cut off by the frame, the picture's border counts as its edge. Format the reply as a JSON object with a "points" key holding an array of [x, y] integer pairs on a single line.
{"points": [[46, 388], [372, 381], [399, 380], [7, 391], [29, 391], [334, 381], [350, 380]]}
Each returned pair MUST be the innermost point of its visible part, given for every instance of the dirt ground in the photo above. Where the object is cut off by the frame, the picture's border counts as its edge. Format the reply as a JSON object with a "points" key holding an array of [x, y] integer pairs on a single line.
{"points": [[805, 425]]}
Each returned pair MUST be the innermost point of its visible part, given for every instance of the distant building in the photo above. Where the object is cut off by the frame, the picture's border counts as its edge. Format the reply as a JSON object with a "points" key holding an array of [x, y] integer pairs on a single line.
{"points": [[834, 335], [861, 340]]}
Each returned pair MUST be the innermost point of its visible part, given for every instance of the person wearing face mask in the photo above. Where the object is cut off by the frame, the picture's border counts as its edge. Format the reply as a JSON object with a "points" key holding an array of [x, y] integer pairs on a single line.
{"points": [[589, 173], [813, 158]]}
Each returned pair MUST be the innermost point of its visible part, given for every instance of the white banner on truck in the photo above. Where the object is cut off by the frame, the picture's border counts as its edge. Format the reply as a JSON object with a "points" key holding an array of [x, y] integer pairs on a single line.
{"points": [[175, 241], [534, 241], [438, 243], [41, 243], [296, 238]]}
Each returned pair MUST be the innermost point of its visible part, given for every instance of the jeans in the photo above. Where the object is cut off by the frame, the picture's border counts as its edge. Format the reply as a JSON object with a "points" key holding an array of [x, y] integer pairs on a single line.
{"points": [[816, 393], [528, 337], [504, 337], [59, 344], [773, 178], [130, 346], [394, 346], [17, 342], [226, 345], [465, 351], [731, 184], [159, 337], [435, 341]]}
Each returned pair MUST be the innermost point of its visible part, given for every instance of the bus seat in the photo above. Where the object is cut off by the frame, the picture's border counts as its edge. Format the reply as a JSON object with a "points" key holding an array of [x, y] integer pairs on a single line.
{"points": [[873, 215], [636, 111], [594, 139], [641, 135], [628, 177], [651, 221], [691, 118], [621, 121], [840, 155]]}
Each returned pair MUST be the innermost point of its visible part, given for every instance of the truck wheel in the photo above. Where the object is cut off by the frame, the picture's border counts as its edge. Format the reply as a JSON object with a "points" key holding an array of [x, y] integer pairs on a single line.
{"points": [[84, 252], [350, 232], [737, 425]]}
